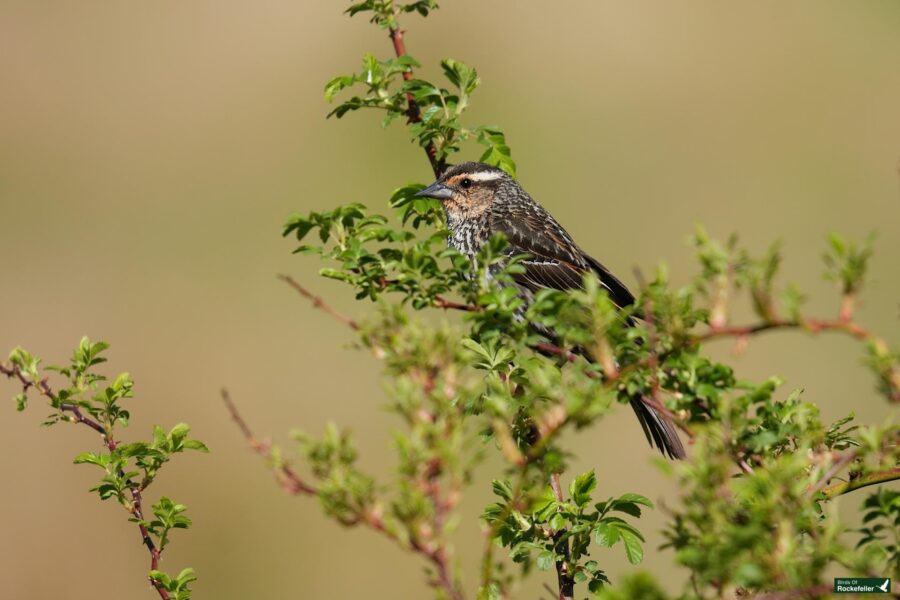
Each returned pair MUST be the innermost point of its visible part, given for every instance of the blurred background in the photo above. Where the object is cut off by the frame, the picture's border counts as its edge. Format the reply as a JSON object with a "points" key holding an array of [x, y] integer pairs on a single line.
{"points": [[150, 152]]}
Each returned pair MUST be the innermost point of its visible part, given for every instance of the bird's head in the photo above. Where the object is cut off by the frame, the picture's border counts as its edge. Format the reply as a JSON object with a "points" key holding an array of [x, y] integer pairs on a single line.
{"points": [[467, 190]]}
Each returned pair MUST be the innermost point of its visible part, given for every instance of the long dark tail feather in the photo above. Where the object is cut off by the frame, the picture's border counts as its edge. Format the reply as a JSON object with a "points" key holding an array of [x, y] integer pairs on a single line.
{"points": [[659, 430]]}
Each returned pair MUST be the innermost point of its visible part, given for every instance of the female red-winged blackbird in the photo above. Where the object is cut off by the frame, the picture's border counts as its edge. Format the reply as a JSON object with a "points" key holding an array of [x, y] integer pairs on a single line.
{"points": [[481, 200]]}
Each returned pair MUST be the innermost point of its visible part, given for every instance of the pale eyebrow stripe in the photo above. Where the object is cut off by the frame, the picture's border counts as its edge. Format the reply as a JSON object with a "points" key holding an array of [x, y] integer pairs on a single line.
{"points": [[484, 176]]}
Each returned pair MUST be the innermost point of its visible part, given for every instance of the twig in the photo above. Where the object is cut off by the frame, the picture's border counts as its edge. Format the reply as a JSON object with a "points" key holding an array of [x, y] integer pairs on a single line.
{"points": [[319, 303], [285, 475], [76, 416], [745, 467], [810, 325], [440, 302], [843, 324]]}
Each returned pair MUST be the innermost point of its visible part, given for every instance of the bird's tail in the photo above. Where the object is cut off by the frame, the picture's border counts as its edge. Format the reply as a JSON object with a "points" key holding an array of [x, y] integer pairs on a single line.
{"points": [[659, 429]]}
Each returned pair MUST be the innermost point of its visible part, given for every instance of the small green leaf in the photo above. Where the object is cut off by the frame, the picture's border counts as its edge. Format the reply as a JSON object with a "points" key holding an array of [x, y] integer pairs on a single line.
{"points": [[179, 431], [581, 488], [546, 560], [558, 521], [502, 489], [195, 445], [606, 534]]}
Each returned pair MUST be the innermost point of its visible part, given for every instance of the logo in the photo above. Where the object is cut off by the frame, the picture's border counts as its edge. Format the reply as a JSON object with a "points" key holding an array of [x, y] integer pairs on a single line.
{"points": [[862, 585]]}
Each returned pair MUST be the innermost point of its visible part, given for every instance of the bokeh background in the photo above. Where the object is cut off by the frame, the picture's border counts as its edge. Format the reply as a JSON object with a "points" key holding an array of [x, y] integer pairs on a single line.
{"points": [[149, 153]]}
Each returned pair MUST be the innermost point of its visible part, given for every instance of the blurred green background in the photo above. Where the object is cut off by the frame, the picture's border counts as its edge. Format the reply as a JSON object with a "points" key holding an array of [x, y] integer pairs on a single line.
{"points": [[149, 153]]}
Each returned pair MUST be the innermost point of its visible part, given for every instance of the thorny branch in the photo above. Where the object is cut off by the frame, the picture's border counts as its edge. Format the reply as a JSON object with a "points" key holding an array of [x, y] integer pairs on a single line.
{"points": [[76, 416]]}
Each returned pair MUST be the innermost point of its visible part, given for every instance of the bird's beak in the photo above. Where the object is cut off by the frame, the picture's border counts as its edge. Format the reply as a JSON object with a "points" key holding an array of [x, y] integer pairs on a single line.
{"points": [[436, 190]]}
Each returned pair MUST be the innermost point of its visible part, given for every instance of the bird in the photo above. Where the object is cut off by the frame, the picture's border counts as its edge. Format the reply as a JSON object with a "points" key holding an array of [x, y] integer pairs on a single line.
{"points": [[480, 200]]}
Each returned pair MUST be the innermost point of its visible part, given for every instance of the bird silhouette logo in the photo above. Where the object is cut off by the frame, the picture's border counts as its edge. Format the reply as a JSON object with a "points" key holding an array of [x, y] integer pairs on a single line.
{"points": [[884, 586]]}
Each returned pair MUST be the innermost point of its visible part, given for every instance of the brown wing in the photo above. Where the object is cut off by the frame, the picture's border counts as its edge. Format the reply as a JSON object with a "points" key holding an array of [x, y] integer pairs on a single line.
{"points": [[555, 261]]}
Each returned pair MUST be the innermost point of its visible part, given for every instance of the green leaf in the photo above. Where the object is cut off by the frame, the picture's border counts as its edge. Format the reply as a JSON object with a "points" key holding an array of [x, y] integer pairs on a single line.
{"points": [[101, 460], [546, 560], [195, 445], [635, 498], [186, 576], [179, 431], [606, 534], [633, 550], [558, 521], [581, 488], [503, 489]]}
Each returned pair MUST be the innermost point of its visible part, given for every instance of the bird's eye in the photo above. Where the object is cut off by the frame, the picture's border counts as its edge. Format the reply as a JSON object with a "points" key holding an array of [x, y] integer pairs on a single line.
{"points": [[466, 183]]}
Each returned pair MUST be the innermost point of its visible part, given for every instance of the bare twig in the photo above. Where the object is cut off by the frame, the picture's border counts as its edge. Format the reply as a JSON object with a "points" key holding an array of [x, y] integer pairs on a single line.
{"points": [[440, 302], [843, 324], [287, 478], [319, 303]]}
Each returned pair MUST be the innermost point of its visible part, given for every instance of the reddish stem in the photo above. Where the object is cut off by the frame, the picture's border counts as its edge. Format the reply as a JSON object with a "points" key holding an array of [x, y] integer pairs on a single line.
{"points": [[284, 474], [317, 302], [438, 165]]}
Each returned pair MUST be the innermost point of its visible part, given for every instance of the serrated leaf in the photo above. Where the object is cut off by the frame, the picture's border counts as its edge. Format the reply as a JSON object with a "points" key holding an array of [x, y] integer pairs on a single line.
{"points": [[581, 488], [633, 549], [606, 534]]}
